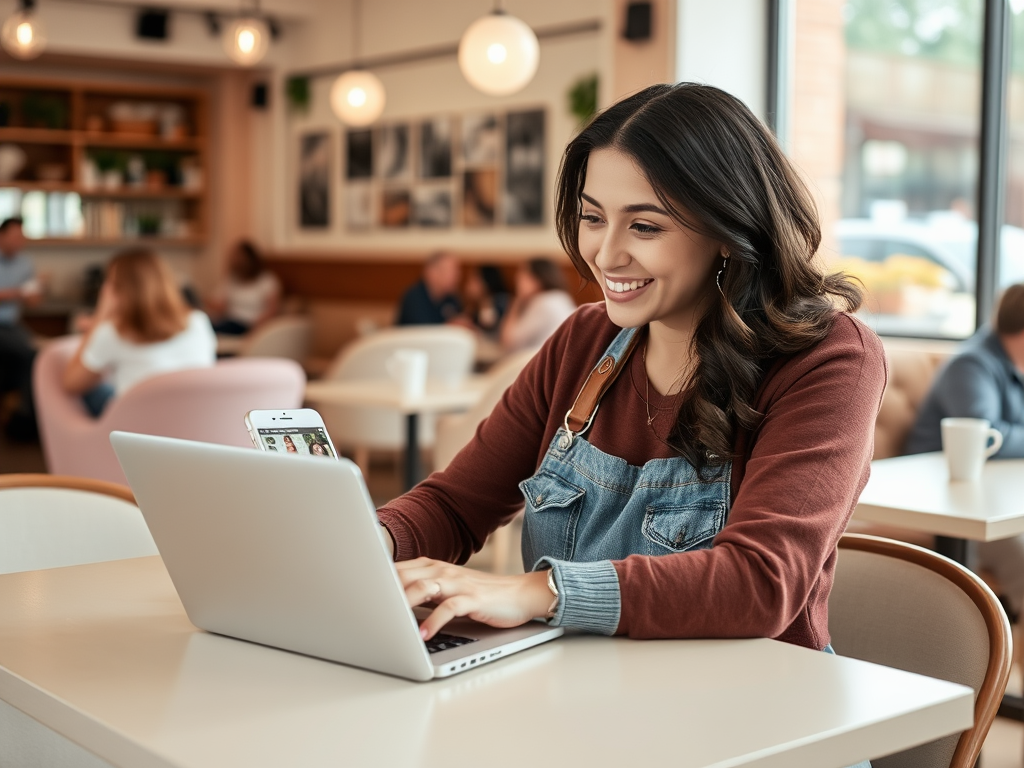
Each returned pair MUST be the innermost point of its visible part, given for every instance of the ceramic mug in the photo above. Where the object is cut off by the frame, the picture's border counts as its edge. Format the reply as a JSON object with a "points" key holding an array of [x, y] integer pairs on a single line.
{"points": [[965, 442], [409, 368]]}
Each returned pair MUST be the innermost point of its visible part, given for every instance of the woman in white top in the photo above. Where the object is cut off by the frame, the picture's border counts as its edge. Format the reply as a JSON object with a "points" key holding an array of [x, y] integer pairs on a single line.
{"points": [[540, 306], [142, 327], [251, 295]]}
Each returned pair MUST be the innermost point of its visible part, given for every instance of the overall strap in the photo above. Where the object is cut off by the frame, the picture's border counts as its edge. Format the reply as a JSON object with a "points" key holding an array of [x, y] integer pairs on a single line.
{"points": [[579, 418]]}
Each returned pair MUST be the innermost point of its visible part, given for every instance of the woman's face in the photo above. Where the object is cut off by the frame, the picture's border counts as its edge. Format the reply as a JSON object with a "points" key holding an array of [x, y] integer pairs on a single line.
{"points": [[651, 268]]}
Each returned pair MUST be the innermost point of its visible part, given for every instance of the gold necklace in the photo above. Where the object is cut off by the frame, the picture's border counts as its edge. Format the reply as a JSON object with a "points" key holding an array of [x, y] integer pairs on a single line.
{"points": [[647, 388]]}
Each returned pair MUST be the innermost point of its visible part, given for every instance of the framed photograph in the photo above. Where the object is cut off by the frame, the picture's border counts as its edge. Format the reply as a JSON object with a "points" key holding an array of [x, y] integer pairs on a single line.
{"points": [[481, 140], [395, 208], [394, 152], [436, 148], [314, 180], [359, 206], [524, 168], [358, 154], [432, 206], [479, 197]]}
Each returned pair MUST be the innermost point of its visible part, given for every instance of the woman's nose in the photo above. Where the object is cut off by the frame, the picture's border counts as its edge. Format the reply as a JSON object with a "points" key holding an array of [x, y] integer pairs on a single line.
{"points": [[612, 253]]}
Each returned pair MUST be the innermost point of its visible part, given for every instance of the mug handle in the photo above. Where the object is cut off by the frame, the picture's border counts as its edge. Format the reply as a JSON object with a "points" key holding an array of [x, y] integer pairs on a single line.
{"points": [[997, 442]]}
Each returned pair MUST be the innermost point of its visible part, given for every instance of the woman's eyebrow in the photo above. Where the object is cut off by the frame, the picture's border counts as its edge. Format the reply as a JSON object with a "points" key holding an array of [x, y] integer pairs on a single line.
{"points": [[635, 208], [591, 200]]}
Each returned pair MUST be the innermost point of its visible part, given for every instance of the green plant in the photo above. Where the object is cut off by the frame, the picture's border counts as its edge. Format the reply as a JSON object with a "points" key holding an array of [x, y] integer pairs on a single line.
{"points": [[297, 91], [149, 224], [583, 98], [41, 111], [108, 160]]}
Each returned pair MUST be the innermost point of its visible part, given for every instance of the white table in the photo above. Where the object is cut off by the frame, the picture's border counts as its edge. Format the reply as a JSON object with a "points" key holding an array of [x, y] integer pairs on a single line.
{"points": [[439, 397], [104, 655], [915, 492]]}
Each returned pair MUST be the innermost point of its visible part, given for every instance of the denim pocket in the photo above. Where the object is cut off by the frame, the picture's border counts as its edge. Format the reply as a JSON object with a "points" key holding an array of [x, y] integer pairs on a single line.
{"points": [[682, 527], [552, 512]]}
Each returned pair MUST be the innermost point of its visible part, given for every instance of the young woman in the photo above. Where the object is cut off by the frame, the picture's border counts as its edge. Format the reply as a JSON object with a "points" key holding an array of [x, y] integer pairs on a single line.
{"points": [[541, 305], [251, 295], [737, 396], [142, 327]]}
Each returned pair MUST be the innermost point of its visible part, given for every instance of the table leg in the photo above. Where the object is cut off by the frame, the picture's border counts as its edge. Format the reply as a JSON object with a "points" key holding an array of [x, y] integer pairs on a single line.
{"points": [[412, 470]]}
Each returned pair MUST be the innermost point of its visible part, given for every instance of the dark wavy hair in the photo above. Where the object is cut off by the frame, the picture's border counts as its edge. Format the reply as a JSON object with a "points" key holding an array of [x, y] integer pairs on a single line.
{"points": [[720, 172]]}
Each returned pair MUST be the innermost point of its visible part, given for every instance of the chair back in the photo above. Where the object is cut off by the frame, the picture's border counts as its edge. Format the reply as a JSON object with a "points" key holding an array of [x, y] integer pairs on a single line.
{"points": [[906, 607], [911, 374], [51, 521], [455, 430], [450, 350], [287, 336], [203, 404]]}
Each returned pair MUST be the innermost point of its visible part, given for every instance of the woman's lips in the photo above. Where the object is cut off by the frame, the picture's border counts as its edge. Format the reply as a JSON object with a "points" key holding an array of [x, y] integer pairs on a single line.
{"points": [[625, 290]]}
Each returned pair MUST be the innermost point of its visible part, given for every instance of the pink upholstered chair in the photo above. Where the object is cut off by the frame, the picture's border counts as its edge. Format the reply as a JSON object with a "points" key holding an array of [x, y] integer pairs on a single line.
{"points": [[205, 404]]}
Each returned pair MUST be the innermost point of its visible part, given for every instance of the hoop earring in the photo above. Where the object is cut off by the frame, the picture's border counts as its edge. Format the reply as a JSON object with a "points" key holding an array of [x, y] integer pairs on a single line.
{"points": [[718, 277]]}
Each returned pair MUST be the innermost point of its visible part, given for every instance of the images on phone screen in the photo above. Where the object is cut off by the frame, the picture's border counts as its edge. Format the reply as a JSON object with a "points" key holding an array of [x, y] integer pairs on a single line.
{"points": [[304, 441]]}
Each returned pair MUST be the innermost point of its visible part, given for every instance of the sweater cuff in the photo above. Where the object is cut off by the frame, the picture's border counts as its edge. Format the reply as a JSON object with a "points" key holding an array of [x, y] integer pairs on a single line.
{"points": [[405, 544], [588, 595]]}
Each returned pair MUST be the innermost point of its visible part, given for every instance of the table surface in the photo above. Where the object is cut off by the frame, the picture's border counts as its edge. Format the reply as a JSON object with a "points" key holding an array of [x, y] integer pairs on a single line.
{"points": [[915, 492], [439, 395], [104, 655]]}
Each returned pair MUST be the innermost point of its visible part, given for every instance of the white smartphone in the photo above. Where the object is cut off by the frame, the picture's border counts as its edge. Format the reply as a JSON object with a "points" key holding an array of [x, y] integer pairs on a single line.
{"points": [[300, 431]]}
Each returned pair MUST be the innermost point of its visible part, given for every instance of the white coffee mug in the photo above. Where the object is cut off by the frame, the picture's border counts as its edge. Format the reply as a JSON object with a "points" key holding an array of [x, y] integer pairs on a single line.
{"points": [[409, 368], [966, 445]]}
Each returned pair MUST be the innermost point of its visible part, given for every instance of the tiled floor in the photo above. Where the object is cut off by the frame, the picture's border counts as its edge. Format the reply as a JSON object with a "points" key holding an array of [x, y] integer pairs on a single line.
{"points": [[1004, 747]]}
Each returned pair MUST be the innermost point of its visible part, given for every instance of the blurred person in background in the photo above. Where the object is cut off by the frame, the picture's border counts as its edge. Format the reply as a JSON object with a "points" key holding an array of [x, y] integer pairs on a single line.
{"points": [[142, 328], [487, 300], [986, 381], [434, 299], [541, 305], [250, 295], [18, 288]]}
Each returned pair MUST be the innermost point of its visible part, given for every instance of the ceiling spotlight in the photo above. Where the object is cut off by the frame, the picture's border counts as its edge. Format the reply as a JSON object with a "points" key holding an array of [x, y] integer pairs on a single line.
{"points": [[499, 54], [357, 97], [246, 40], [23, 35]]}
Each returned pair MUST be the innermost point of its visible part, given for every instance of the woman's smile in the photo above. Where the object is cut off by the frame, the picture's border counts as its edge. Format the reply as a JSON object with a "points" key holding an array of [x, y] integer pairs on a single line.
{"points": [[625, 289]]}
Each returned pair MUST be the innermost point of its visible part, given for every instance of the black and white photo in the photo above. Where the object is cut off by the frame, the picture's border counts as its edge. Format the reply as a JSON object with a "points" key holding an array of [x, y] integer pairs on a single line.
{"points": [[314, 180], [481, 140], [394, 152], [359, 154], [436, 148], [524, 168], [432, 206]]}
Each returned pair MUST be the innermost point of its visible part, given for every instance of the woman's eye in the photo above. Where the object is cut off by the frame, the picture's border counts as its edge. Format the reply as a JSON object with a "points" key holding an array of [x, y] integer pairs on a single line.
{"points": [[590, 218], [646, 229]]}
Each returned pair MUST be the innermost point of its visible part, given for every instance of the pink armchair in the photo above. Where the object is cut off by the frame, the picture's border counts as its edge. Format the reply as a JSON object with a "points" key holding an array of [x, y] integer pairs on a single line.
{"points": [[205, 404]]}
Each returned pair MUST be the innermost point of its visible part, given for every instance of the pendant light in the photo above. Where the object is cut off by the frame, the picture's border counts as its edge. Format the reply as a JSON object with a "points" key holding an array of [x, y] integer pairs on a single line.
{"points": [[23, 35], [247, 38], [357, 96], [499, 53]]}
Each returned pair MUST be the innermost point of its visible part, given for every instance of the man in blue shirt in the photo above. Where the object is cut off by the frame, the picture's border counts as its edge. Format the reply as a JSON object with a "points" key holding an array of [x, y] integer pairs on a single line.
{"points": [[434, 299], [18, 287], [986, 381]]}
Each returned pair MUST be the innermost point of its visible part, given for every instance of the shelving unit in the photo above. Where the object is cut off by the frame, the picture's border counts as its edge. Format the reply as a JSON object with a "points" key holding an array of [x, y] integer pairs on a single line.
{"points": [[135, 157]]}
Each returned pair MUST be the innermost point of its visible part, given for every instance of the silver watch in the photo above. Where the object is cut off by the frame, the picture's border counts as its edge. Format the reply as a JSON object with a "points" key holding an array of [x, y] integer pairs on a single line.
{"points": [[554, 591]]}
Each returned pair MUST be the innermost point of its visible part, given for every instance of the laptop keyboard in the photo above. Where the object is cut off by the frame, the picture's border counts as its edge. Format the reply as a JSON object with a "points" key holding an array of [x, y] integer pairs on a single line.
{"points": [[442, 642]]}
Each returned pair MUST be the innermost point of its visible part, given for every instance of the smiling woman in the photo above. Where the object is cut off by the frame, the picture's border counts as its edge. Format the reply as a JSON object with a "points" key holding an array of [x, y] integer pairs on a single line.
{"points": [[707, 495]]}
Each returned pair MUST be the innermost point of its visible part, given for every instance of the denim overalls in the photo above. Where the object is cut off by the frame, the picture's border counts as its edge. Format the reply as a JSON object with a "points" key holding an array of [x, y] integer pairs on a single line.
{"points": [[585, 508]]}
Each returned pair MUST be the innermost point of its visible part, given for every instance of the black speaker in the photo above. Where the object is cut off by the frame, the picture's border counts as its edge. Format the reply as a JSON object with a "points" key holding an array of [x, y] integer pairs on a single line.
{"points": [[638, 22], [152, 24], [259, 96]]}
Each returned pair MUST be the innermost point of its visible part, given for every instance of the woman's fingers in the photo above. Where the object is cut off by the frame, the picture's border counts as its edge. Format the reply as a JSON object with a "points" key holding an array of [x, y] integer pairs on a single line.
{"points": [[422, 591], [460, 605]]}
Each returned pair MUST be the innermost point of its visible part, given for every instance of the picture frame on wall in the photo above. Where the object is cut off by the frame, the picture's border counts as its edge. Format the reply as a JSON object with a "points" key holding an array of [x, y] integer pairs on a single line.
{"points": [[432, 205], [435, 147], [315, 180], [479, 197], [480, 140], [359, 206], [394, 152], [524, 168], [359, 154], [396, 207]]}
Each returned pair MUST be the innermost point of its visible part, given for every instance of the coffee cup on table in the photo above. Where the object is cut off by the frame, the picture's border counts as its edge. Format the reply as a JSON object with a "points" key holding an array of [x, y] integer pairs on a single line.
{"points": [[409, 368], [966, 444]]}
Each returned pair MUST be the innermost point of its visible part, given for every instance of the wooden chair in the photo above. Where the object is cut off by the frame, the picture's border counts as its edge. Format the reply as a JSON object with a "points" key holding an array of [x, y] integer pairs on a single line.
{"points": [[904, 606], [51, 521]]}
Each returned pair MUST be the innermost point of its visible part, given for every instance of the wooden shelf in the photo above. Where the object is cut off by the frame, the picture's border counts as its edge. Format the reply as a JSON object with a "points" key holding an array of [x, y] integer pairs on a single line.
{"points": [[131, 193], [135, 141], [194, 240], [37, 136], [40, 186]]}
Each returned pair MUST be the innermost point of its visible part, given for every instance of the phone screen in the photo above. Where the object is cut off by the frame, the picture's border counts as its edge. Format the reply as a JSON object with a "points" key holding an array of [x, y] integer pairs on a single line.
{"points": [[300, 440]]}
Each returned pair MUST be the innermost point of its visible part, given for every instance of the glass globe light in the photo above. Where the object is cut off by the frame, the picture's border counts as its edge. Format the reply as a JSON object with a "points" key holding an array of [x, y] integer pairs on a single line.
{"points": [[499, 54], [23, 35], [246, 40], [357, 97]]}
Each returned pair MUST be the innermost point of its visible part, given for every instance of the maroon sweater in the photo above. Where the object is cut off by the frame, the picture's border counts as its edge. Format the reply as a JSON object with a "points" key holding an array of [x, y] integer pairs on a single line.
{"points": [[794, 485]]}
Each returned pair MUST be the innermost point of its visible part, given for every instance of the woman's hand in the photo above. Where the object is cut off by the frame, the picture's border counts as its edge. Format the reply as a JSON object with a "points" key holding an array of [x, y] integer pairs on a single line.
{"points": [[499, 601]]}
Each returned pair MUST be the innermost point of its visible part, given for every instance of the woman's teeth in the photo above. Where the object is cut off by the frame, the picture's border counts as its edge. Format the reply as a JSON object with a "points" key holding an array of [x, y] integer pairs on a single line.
{"points": [[617, 287]]}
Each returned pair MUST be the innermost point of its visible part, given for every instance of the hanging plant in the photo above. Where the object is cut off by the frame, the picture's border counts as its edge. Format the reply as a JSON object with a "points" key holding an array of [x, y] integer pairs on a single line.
{"points": [[297, 91], [583, 98]]}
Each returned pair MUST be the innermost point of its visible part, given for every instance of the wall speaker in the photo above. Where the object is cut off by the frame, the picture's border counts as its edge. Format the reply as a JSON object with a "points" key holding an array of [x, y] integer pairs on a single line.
{"points": [[638, 22], [151, 24], [259, 96]]}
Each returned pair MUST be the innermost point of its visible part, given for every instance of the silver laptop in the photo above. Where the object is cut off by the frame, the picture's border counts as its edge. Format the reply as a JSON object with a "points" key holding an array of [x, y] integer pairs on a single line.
{"points": [[287, 551]]}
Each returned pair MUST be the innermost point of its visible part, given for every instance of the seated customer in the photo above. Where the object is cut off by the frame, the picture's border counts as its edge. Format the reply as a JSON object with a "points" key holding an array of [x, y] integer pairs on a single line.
{"points": [[18, 288], [434, 299], [251, 294], [540, 306], [986, 381], [487, 300], [142, 327]]}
